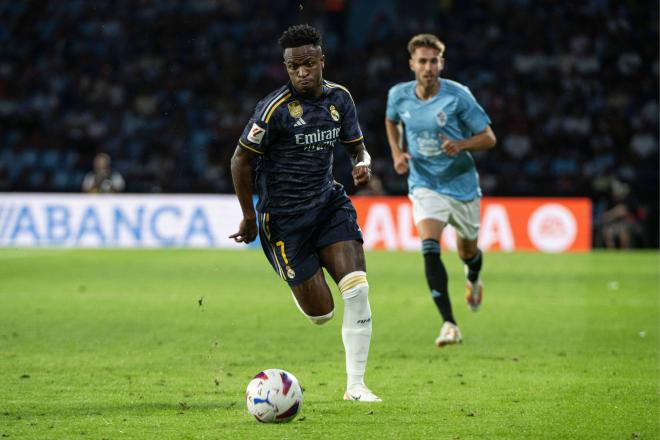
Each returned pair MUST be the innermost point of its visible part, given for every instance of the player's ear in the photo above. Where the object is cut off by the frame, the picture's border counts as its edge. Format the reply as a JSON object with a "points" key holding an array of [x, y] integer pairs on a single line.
{"points": [[322, 61], [410, 63], [441, 64]]}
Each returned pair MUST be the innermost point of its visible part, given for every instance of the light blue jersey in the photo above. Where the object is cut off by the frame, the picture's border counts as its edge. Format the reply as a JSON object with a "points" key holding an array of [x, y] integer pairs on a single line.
{"points": [[454, 113]]}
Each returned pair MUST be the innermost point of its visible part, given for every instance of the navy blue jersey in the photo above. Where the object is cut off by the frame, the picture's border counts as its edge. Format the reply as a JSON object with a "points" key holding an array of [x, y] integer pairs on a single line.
{"points": [[294, 138]]}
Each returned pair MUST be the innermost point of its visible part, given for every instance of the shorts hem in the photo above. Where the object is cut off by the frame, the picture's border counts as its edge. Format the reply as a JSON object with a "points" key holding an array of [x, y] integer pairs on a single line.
{"points": [[339, 240]]}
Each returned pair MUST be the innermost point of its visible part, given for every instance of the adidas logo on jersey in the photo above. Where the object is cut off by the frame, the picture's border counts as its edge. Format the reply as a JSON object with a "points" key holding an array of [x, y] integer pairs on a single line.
{"points": [[299, 122]]}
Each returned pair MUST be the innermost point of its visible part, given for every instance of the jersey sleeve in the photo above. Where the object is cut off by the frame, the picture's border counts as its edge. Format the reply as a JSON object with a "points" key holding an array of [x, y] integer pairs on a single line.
{"points": [[254, 137], [256, 134], [350, 131], [471, 113], [391, 112]]}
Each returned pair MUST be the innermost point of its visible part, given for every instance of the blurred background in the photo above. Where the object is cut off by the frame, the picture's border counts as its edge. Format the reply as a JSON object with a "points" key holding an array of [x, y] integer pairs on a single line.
{"points": [[165, 87]]}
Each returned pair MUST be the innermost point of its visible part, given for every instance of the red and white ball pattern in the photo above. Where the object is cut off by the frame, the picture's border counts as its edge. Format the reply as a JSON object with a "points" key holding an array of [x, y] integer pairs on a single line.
{"points": [[274, 396]]}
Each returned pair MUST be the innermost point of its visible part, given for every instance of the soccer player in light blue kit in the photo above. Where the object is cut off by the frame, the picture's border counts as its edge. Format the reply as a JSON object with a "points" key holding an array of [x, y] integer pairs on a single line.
{"points": [[440, 122]]}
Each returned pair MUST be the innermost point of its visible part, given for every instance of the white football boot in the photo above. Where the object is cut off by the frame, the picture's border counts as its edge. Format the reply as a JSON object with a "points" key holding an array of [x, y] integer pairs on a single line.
{"points": [[361, 393], [449, 334], [474, 292]]}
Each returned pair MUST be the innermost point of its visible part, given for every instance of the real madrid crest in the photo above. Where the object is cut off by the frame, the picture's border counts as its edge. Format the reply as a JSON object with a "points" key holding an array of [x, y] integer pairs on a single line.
{"points": [[333, 112], [290, 272], [441, 118], [295, 109]]}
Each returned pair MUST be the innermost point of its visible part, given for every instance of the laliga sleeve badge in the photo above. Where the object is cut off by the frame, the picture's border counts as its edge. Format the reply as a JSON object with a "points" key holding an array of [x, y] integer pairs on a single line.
{"points": [[295, 109], [334, 113], [290, 272], [256, 134]]}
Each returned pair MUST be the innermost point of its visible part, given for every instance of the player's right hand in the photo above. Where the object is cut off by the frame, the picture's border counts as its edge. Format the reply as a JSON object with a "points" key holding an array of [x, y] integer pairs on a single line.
{"points": [[247, 231], [401, 163]]}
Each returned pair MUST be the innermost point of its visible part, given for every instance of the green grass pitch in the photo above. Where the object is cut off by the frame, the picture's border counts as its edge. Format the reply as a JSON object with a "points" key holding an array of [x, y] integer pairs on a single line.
{"points": [[161, 344]]}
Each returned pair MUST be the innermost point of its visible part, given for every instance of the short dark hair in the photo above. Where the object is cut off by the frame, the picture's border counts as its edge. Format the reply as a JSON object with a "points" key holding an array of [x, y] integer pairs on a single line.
{"points": [[300, 35], [426, 40]]}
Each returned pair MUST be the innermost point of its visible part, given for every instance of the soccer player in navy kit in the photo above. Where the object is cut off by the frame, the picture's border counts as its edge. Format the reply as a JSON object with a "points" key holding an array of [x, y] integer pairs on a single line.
{"points": [[441, 122], [306, 220]]}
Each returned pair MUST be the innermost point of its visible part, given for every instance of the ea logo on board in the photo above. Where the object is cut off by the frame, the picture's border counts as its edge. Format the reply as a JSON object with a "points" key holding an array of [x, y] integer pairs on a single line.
{"points": [[552, 228]]}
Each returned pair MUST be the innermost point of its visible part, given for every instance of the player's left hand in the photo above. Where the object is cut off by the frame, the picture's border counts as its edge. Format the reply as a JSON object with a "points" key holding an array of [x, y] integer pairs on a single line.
{"points": [[247, 231], [450, 147], [361, 175]]}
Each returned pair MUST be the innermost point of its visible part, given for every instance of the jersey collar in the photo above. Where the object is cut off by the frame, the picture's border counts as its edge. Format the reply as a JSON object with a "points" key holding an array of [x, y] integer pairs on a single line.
{"points": [[437, 93], [297, 95]]}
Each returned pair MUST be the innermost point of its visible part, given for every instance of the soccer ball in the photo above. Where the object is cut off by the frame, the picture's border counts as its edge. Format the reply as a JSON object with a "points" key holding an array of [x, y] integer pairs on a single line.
{"points": [[274, 396]]}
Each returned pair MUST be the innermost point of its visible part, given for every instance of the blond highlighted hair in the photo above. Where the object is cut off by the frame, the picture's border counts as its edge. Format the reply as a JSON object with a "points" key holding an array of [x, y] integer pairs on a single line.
{"points": [[426, 40]]}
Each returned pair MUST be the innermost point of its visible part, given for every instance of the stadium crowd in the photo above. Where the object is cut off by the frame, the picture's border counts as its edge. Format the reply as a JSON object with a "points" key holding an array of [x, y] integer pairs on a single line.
{"points": [[165, 88]]}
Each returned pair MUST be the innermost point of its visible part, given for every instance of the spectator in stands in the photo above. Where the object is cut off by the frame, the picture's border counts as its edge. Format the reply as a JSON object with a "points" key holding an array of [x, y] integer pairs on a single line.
{"points": [[103, 179], [620, 225]]}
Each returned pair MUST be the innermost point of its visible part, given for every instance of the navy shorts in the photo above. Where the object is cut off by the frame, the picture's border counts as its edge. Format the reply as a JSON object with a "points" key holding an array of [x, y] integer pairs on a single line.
{"points": [[292, 242]]}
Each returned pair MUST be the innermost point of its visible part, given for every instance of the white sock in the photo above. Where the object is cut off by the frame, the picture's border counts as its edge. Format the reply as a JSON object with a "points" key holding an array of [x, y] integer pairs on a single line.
{"points": [[356, 326]]}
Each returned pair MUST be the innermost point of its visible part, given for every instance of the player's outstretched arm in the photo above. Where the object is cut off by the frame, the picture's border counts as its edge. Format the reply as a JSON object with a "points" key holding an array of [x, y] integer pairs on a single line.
{"points": [[395, 138], [361, 163], [241, 175]]}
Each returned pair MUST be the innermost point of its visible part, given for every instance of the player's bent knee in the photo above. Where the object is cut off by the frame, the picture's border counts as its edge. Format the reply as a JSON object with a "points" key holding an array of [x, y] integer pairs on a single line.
{"points": [[319, 319]]}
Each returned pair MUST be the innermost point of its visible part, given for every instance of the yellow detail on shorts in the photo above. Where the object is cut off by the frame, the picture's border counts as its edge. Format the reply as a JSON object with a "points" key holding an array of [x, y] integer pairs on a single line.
{"points": [[266, 229], [281, 246]]}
